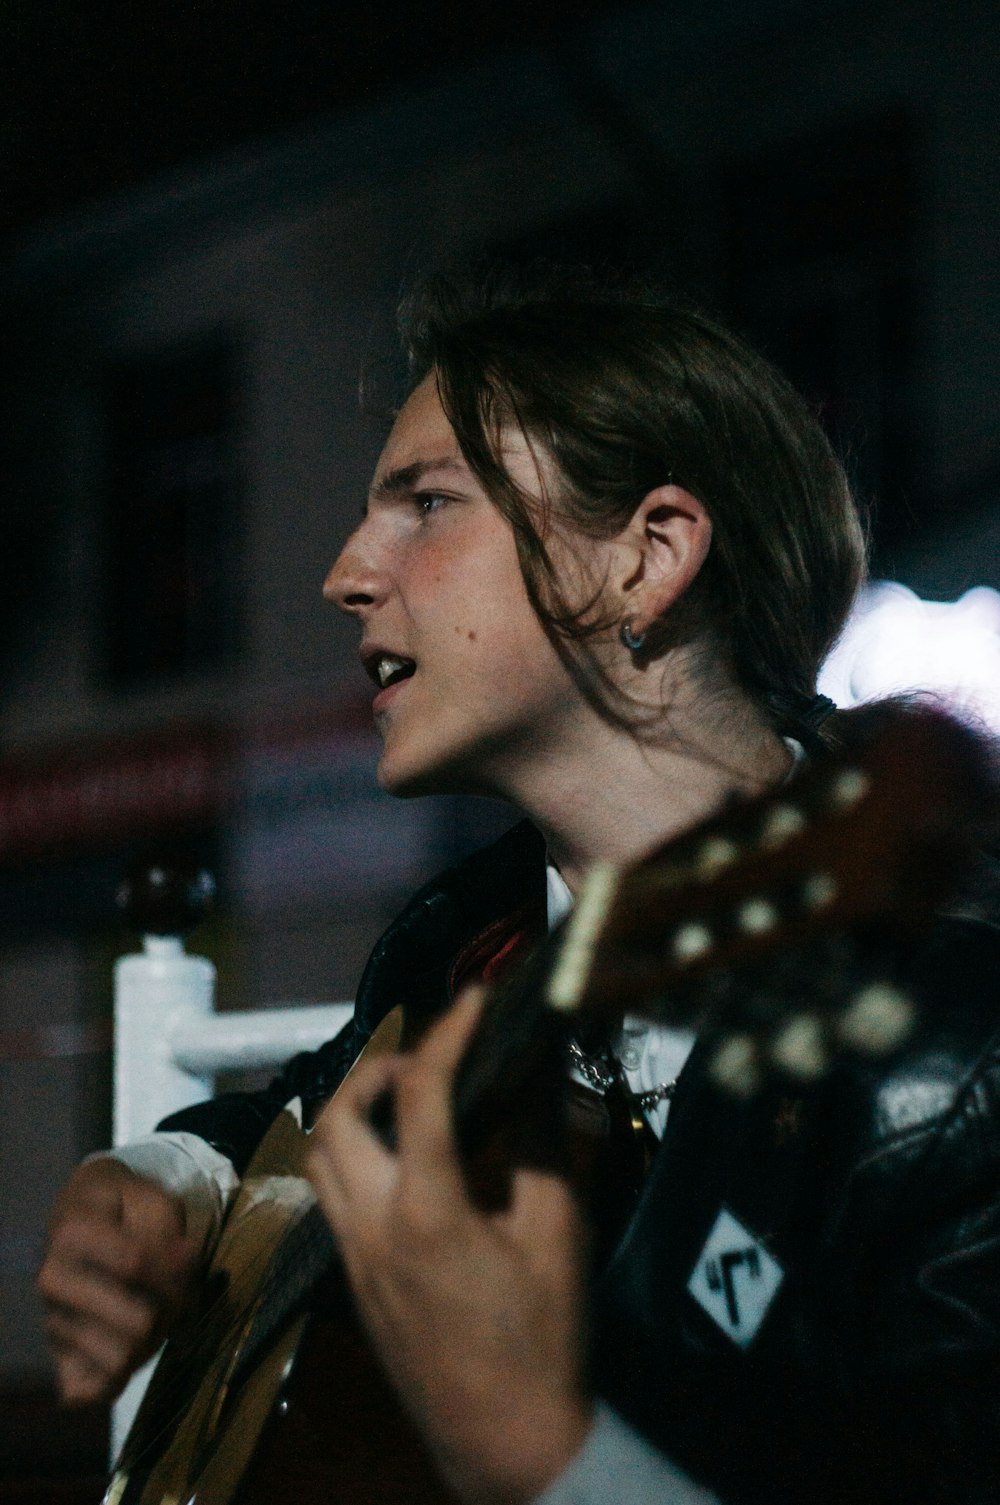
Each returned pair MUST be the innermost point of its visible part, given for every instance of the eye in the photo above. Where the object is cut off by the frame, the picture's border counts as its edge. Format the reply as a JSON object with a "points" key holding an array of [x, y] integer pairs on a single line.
{"points": [[427, 502]]}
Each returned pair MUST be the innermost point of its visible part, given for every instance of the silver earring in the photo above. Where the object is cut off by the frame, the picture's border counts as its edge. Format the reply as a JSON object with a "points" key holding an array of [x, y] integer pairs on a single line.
{"points": [[633, 640]]}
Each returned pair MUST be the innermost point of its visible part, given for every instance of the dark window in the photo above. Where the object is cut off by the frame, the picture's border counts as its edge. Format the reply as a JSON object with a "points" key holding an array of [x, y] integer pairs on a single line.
{"points": [[172, 599]]}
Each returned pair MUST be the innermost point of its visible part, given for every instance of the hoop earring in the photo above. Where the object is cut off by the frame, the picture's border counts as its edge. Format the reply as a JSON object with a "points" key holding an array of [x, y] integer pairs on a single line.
{"points": [[633, 640]]}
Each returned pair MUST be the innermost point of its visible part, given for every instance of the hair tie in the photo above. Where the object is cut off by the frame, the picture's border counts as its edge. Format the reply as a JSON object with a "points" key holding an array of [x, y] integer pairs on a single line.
{"points": [[794, 712], [816, 710]]}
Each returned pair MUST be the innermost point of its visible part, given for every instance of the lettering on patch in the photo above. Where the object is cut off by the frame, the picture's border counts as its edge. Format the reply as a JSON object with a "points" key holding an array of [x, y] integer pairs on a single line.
{"points": [[735, 1279]]}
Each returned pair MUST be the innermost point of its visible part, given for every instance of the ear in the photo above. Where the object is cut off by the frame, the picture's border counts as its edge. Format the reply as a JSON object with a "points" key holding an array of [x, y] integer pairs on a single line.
{"points": [[662, 548]]}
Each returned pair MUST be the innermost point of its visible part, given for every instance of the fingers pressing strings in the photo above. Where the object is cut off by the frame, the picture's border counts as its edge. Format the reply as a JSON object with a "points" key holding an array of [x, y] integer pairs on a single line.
{"points": [[475, 1314], [431, 1177], [355, 1175]]}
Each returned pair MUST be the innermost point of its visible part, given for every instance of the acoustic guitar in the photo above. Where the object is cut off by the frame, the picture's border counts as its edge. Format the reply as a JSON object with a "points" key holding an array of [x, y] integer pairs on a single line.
{"points": [[770, 921]]}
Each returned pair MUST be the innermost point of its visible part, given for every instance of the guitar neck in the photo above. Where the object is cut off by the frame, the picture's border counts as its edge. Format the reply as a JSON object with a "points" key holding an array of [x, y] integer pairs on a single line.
{"points": [[860, 849]]}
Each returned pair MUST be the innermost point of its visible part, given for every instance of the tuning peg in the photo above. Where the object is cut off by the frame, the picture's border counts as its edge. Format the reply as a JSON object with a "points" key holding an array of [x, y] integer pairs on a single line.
{"points": [[757, 917], [735, 1066], [877, 1020], [714, 854], [819, 890], [780, 824], [849, 787], [165, 899], [691, 942], [800, 1049]]}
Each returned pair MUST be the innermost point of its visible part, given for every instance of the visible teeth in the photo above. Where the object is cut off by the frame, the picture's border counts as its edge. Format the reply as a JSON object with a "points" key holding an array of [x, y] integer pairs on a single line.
{"points": [[387, 667]]}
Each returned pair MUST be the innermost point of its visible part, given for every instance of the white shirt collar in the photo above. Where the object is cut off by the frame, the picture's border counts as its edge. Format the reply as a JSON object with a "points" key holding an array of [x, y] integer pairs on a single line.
{"points": [[558, 899]]}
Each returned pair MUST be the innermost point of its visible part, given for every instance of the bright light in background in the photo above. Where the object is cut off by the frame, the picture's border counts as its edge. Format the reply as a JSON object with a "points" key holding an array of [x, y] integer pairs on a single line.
{"points": [[894, 641]]}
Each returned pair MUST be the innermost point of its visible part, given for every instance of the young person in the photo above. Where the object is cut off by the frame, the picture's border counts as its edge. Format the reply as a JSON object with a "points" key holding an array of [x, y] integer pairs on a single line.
{"points": [[605, 551]]}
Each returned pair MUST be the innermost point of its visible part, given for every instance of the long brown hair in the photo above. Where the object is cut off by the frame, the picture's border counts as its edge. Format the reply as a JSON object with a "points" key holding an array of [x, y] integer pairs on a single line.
{"points": [[626, 391]]}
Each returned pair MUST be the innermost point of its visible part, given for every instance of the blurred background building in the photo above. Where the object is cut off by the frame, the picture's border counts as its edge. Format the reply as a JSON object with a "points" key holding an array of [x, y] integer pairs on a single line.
{"points": [[209, 212]]}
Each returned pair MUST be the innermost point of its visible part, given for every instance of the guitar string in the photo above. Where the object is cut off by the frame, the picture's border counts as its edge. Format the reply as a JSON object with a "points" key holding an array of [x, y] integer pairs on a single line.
{"points": [[173, 1394], [174, 1403], [302, 1259]]}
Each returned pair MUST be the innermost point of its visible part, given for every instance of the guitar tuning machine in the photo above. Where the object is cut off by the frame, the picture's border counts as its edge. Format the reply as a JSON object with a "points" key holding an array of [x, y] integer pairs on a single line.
{"points": [[735, 1066], [849, 788], [714, 855], [819, 891], [800, 1048], [781, 823], [877, 1020], [757, 917], [691, 942]]}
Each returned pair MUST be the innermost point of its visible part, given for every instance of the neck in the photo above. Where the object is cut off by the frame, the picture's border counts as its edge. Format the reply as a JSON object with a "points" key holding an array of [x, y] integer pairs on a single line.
{"points": [[621, 797]]}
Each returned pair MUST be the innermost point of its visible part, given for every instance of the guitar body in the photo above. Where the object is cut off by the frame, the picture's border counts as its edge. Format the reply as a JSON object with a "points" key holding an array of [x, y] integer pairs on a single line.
{"points": [[232, 1417], [337, 1432], [298, 1425]]}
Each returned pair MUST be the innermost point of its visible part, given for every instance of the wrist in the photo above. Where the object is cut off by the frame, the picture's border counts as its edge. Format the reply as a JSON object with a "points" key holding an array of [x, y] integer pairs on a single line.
{"points": [[525, 1459]]}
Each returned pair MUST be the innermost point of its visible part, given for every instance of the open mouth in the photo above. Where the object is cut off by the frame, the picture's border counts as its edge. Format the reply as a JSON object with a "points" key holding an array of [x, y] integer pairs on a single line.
{"points": [[388, 669]]}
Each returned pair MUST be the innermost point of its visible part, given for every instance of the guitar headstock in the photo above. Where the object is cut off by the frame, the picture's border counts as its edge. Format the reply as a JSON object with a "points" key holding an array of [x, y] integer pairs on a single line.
{"points": [[862, 849]]}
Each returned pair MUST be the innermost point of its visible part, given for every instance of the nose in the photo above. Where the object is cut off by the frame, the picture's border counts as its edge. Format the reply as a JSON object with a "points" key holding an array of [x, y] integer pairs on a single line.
{"points": [[357, 581]]}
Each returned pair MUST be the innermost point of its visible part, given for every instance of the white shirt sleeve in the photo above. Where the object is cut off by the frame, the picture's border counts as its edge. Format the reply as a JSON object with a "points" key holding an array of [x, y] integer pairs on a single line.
{"points": [[615, 1463], [186, 1167]]}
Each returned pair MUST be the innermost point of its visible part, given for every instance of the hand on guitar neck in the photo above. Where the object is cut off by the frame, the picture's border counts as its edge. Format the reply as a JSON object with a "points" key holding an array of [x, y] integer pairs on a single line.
{"points": [[475, 1315], [116, 1273]]}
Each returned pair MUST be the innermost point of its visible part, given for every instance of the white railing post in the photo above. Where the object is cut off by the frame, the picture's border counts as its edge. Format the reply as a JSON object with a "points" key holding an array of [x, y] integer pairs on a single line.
{"points": [[157, 991], [168, 1045]]}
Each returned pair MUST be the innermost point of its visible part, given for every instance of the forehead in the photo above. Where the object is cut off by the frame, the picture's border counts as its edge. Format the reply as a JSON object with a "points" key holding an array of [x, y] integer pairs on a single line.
{"points": [[421, 431], [423, 437]]}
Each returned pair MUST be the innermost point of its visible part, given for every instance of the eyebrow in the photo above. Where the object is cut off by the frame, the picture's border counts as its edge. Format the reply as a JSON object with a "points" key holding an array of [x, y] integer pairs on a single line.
{"points": [[405, 477]]}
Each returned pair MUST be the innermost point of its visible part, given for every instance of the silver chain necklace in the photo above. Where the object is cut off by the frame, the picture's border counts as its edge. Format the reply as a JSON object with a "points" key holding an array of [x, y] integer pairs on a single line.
{"points": [[600, 1074], [596, 1070]]}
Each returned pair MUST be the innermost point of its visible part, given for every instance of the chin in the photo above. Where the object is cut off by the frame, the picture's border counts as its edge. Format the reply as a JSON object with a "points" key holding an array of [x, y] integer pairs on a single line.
{"points": [[412, 777], [406, 779], [404, 788]]}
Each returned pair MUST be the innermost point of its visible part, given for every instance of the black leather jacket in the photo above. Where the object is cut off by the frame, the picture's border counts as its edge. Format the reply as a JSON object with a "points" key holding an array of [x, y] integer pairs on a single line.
{"points": [[872, 1202]]}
